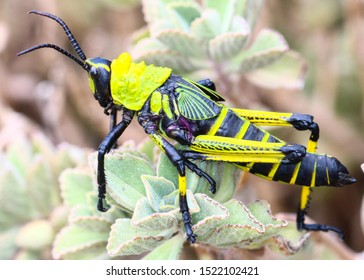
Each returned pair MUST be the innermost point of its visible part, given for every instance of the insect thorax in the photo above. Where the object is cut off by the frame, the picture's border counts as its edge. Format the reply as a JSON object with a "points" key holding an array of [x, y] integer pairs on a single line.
{"points": [[133, 83]]}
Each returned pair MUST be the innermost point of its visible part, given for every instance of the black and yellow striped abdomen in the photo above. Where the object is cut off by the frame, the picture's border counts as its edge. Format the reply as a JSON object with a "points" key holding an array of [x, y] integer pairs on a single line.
{"points": [[313, 170]]}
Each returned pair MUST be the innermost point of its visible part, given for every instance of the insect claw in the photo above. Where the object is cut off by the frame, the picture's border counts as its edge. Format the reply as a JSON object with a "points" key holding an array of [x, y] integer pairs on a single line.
{"points": [[319, 227], [192, 238], [213, 188], [100, 206]]}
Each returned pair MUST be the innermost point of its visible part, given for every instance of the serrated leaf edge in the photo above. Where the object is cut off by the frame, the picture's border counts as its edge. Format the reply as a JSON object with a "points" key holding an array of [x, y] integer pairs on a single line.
{"points": [[59, 255]]}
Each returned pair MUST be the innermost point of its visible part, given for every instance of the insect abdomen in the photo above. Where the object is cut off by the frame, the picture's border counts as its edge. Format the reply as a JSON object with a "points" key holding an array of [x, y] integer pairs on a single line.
{"points": [[314, 170]]}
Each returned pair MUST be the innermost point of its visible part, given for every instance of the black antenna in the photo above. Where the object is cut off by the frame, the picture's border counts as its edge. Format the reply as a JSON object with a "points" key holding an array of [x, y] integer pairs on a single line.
{"points": [[70, 37], [59, 49]]}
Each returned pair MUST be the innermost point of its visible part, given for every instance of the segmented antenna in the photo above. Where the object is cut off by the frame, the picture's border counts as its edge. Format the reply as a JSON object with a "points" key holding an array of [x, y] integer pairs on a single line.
{"points": [[68, 32], [70, 37], [57, 48]]}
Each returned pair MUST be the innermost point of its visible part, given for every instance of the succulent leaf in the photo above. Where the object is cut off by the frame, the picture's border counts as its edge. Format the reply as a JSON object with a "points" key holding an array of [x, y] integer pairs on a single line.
{"points": [[181, 42], [35, 235], [123, 173], [249, 9], [209, 216], [134, 240], [187, 11], [166, 169], [155, 52], [266, 48], [226, 11], [238, 229], [75, 183], [169, 250], [8, 246], [83, 217], [156, 189], [75, 238], [207, 26], [287, 72], [144, 217]]}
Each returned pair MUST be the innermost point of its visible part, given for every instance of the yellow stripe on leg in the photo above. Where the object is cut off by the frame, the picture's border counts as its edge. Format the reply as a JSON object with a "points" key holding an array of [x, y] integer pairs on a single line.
{"points": [[312, 146], [182, 185], [305, 196]]}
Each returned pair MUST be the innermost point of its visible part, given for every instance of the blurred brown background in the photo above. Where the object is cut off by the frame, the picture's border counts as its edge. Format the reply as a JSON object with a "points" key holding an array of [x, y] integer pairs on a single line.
{"points": [[52, 91]]}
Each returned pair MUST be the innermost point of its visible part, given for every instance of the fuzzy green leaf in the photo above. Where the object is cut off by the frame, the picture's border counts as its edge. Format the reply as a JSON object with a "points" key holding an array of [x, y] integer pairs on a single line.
{"points": [[181, 42], [75, 183], [170, 202], [144, 217], [288, 240], [169, 250], [249, 9], [187, 11], [35, 235], [123, 173], [154, 52], [16, 207], [43, 185], [209, 216], [82, 216], [261, 211], [156, 188], [288, 72], [95, 252], [20, 155], [74, 238], [207, 26], [225, 9], [147, 147], [7, 243], [67, 156], [225, 176], [229, 44], [128, 240], [153, 10], [239, 229], [266, 48], [166, 169]]}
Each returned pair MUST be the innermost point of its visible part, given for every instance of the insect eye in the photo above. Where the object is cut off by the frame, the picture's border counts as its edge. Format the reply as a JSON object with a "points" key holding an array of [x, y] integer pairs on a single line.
{"points": [[94, 72]]}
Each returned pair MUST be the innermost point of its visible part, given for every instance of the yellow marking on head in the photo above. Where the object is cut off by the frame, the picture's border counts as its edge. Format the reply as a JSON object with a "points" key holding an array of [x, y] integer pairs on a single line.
{"points": [[97, 65], [92, 85]]}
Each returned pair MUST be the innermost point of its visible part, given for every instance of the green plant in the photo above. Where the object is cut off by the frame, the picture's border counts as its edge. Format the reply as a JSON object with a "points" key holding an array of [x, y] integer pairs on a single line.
{"points": [[31, 209], [144, 214], [217, 36]]}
